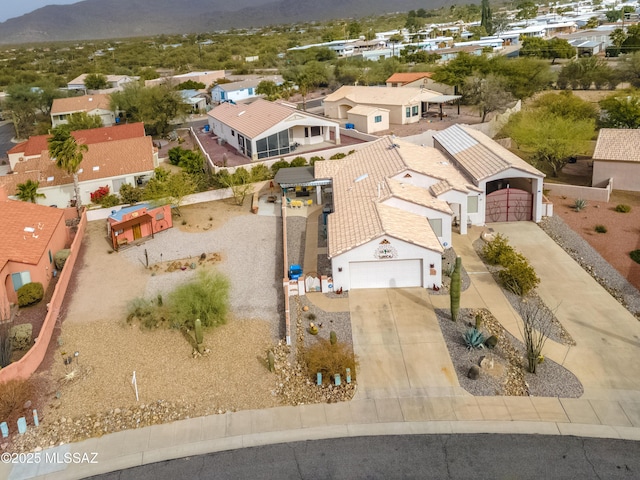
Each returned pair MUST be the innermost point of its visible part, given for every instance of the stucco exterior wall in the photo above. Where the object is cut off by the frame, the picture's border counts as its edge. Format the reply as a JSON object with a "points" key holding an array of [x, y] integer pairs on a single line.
{"points": [[405, 251], [625, 174]]}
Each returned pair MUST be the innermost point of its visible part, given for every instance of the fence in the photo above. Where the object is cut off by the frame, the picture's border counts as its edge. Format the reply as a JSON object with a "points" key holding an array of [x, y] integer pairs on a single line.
{"points": [[27, 365], [493, 126], [595, 194]]}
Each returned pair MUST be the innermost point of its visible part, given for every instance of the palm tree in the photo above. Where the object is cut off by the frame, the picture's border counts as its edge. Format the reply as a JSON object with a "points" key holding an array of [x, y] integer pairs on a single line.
{"points": [[28, 191], [68, 155]]}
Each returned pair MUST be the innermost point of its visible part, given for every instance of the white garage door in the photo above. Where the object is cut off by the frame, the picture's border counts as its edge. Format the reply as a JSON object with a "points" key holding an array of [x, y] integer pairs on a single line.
{"points": [[386, 274]]}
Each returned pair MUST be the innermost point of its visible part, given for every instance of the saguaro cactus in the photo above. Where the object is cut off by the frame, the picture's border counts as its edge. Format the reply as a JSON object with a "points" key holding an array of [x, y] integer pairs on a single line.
{"points": [[455, 289]]}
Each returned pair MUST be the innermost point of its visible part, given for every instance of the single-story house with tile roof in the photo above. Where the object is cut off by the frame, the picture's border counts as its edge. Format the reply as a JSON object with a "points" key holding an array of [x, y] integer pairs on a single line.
{"points": [[419, 80], [112, 159], [406, 105], [617, 156], [511, 188], [392, 214], [264, 129], [129, 224], [30, 235], [97, 104], [208, 78]]}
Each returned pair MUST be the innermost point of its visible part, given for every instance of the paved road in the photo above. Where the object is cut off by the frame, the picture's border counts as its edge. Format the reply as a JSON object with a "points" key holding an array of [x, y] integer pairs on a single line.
{"points": [[6, 134], [414, 456]]}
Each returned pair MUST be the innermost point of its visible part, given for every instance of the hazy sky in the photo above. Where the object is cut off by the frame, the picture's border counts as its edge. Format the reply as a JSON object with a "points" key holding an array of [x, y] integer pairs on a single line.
{"points": [[10, 9]]}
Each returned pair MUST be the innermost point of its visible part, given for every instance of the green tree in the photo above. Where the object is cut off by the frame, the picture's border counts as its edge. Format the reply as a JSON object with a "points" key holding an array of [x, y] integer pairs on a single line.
{"points": [[613, 15], [552, 49], [526, 10], [566, 105], [456, 72], [169, 187], [551, 139], [523, 77], [268, 89], [28, 191], [83, 121], [22, 101], [629, 68], [308, 77], [156, 106], [68, 155], [95, 81], [621, 110], [487, 94], [486, 19]]}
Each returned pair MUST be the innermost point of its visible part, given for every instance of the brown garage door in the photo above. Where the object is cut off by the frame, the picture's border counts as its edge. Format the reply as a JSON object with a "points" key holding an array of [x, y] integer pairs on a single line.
{"points": [[509, 205]]}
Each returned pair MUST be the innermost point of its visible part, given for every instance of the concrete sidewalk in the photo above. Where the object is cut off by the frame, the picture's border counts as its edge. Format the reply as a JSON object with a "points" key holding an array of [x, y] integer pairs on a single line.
{"points": [[608, 345]]}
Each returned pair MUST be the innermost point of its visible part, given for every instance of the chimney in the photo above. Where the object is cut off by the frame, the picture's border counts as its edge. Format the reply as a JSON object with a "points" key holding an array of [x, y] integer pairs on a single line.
{"points": [[3, 193]]}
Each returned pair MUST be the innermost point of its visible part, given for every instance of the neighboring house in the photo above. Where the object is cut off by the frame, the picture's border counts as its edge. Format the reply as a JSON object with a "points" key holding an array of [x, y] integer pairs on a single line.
{"points": [[115, 83], [264, 129], [395, 204], [405, 105], [197, 101], [115, 156], [136, 222], [448, 54], [208, 78], [617, 157], [234, 91], [97, 104], [589, 42], [419, 80], [30, 235]]}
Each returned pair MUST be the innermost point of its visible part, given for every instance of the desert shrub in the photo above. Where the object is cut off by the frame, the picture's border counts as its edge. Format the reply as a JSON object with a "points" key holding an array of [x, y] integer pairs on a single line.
{"points": [[622, 208], [337, 156], [30, 293], [497, 250], [601, 229], [579, 204], [60, 258], [260, 172], [519, 276], [299, 162], [635, 256], [175, 154], [315, 159], [329, 359], [146, 313], [109, 200], [206, 298], [278, 165], [13, 395], [130, 194]]}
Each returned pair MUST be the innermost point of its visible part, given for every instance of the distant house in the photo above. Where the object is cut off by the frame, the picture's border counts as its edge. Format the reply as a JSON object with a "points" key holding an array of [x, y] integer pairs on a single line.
{"points": [[264, 129], [234, 91], [30, 236], [115, 156], [114, 82], [419, 80], [136, 222], [197, 101], [97, 104], [617, 157], [405, 105], [205, 77]]}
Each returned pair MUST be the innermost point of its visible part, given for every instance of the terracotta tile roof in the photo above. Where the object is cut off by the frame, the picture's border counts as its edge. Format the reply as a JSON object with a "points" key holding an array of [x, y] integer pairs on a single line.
{"points": [[417, 195], [18, 245], [252, 119], [408, 77], [478, 155], [359, 217], [380, 95], [82, 103], [101, 160], [38, 143], [618, 145]]}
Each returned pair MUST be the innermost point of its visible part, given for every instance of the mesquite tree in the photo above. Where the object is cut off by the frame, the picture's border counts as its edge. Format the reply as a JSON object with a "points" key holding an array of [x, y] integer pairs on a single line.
{"points": [[537, 321]]}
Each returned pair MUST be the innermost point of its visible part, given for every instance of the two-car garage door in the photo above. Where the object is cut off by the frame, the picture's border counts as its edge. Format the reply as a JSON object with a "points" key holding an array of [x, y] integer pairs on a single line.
{"points": [[386, 274]]}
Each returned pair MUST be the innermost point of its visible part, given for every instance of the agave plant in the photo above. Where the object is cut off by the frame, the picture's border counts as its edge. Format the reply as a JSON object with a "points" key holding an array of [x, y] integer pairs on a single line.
{"points": [[473, 338], [579, 204]]}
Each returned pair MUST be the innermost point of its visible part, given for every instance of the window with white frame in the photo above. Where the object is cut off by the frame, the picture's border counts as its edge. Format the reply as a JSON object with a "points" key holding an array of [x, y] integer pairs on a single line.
{"points": [[408, 112], [472, 204], [377, 119], [414, 110]]}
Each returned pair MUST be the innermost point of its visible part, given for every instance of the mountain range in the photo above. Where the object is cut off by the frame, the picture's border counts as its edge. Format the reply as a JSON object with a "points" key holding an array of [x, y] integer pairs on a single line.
{"points": [[102, 19]]}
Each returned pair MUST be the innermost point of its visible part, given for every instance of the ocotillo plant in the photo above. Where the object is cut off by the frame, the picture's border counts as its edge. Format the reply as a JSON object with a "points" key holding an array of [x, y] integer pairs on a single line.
{"points": [[455, 289]]}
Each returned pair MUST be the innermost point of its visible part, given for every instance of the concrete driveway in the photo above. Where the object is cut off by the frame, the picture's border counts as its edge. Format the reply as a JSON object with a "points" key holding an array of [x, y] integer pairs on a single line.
{"points": [[399, 345]]}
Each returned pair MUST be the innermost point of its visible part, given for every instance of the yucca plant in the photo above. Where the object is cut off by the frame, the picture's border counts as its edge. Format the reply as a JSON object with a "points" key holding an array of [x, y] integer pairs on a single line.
{"points": [[579, 204], [473, 338]]}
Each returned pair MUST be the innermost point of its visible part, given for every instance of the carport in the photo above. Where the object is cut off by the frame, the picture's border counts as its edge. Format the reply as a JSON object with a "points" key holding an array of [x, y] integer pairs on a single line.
{"points": [[300, 182], [440, 101]]}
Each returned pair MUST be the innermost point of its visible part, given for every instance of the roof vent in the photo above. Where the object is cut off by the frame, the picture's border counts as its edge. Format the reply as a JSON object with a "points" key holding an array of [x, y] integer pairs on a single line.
{"points": [[29, 229], [96, 168], [241, 113], [361, 177]]}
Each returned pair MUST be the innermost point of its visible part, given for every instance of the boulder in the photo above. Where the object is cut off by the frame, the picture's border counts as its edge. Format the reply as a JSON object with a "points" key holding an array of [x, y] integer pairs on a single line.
{"points": [[474, 372]]}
